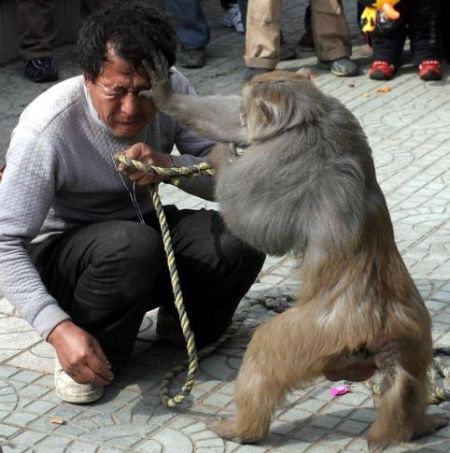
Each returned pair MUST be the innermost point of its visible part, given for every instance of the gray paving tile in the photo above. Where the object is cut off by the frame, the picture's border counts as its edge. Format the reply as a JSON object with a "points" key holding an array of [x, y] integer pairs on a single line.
{"points": [[408, 130]]}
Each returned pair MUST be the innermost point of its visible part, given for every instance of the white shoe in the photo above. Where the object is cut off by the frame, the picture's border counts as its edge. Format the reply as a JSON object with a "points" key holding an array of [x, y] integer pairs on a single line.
{"points": [[71, 391], [233, 19]]}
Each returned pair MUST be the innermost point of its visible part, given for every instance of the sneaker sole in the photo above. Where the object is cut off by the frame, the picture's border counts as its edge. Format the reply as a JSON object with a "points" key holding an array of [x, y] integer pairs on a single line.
{"points": [[344, 74], [85, 398]]}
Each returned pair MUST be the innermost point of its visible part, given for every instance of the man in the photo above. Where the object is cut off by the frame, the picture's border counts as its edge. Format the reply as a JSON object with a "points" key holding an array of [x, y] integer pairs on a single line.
{"points": [[330, 34], [81, 254]]}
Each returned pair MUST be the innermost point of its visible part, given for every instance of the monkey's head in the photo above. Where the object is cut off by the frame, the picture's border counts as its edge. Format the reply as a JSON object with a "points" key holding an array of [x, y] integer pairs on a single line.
{"points": [[276, 101]]}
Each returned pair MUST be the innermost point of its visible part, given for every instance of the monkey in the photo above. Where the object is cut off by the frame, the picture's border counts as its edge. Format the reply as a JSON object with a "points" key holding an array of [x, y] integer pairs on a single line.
{"points": [[306, 184]]}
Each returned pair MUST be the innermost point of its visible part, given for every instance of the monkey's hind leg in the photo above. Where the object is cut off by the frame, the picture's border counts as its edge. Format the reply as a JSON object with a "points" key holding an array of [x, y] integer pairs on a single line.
{"points": [[254, 408], [256, 396], [273, 364], [402, 409]]}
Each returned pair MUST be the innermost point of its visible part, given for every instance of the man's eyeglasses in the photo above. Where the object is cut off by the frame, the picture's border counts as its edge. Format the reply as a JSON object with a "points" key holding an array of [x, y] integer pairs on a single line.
{"points": [[119, 92]]}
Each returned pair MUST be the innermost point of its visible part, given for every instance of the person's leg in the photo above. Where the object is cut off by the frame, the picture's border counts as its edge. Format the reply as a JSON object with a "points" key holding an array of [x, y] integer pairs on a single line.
{"points": [[331, 37], [426, 37], [192, 31], [243, 8], [190, 23], [262, 37], [104, 276], [232, 17], [37, 30], [215, 269], [37, 33], [330, 30], [387, 47], [306, 41]]}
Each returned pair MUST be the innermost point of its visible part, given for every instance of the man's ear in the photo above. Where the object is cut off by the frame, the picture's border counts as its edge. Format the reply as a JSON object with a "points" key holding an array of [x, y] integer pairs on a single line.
{"points": [[87, 81]]}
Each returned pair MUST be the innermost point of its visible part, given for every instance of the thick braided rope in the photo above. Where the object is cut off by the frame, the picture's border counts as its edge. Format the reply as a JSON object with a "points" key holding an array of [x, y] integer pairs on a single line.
{"points": [[174, 173], [179, 304]]}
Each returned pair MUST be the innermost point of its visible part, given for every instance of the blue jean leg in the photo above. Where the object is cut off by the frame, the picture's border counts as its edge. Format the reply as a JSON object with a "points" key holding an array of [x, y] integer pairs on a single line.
{"points": [[190, 23]]}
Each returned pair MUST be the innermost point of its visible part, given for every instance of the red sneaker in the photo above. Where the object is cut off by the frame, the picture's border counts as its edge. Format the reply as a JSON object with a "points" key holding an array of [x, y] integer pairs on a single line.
{"points": [[381, 70], [430, 70]]}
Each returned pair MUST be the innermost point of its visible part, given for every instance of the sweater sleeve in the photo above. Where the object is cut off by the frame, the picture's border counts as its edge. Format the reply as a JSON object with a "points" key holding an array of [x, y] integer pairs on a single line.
{"points": [[27, 191]]}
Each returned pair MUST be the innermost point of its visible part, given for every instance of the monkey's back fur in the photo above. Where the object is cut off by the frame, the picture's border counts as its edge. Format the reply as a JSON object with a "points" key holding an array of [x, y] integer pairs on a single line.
{"points": [[301, 184]]}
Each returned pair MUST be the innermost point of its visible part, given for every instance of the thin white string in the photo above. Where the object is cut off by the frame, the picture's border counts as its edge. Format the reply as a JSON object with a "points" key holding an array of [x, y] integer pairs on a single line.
{"points": [[131, 193]]}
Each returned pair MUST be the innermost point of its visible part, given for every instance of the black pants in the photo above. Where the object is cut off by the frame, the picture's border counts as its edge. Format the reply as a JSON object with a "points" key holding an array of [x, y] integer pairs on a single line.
{"points": [[107, 275], [420, 21]]}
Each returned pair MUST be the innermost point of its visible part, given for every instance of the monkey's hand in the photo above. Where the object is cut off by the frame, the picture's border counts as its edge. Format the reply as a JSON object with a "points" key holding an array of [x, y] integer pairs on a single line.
{"points": [[222, 155], [159, 73]]}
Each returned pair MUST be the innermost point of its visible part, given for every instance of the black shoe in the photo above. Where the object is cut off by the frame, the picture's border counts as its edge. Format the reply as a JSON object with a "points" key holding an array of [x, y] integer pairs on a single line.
{"points": [[252, 72], [342, 67], [40, 70], [192, 58]]}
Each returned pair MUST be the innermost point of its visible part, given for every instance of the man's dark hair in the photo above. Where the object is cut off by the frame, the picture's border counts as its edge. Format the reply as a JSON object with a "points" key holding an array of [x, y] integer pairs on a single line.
{"points": [[135, 29]]}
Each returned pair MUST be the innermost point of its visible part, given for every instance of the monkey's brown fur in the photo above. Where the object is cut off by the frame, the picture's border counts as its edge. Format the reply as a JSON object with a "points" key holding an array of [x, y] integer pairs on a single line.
{"points": [[307, 184]]}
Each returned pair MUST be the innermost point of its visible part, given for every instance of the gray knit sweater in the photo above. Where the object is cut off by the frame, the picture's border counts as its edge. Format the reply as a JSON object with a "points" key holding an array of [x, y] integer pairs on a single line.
{"points": [[60, 173]]}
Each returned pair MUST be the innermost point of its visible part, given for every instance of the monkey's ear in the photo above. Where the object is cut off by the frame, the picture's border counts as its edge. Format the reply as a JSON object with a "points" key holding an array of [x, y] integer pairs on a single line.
{"points": [[266, 110]]}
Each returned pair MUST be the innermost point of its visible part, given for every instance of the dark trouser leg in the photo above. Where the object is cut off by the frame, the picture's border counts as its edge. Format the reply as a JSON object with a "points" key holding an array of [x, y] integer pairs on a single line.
{"points": [[388, 43], [107, 275], [215, 268], [190, 23], [425, 30], [104, 275], [37, 29]]}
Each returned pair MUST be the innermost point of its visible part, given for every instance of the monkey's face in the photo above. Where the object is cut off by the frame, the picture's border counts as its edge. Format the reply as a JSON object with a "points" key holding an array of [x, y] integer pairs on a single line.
{"points": [[276, 101], [115, 96]]}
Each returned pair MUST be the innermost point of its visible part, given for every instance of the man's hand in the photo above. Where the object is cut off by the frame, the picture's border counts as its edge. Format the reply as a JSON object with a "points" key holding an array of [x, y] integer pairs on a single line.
{"points": [[146, 155], [80, 354], [159, 73]]}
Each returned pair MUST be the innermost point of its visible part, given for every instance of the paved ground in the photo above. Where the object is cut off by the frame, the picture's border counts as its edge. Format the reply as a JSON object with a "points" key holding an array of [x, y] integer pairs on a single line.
{"points": [[408, 127]]}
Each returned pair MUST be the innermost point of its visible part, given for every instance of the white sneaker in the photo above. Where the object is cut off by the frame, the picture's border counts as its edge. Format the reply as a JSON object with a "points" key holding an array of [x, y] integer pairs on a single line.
{"points": [[71, 391], [233, 19]]}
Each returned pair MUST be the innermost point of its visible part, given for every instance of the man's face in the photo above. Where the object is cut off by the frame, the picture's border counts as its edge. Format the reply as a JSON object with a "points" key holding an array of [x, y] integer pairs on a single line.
{"points": [[115, 95]]}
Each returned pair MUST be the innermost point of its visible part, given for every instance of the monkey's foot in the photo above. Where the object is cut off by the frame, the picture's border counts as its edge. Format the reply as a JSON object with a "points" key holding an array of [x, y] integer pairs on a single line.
{"points": [[430, 424], [228, 429]]}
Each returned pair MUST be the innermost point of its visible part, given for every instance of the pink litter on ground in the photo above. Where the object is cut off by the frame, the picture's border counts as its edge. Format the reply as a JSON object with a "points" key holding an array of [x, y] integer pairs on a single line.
{"points": [[339, 390]]}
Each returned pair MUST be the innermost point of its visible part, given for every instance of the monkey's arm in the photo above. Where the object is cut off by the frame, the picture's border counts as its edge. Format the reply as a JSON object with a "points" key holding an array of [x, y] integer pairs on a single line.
{"points": [[214, 117]]}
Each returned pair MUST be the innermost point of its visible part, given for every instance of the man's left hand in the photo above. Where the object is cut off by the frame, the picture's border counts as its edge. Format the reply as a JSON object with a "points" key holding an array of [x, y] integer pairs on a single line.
{"points": [[148, 156]]}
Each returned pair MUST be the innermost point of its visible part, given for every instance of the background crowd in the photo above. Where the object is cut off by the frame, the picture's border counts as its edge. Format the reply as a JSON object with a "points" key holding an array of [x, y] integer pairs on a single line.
{"points": [[327, 34]]}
